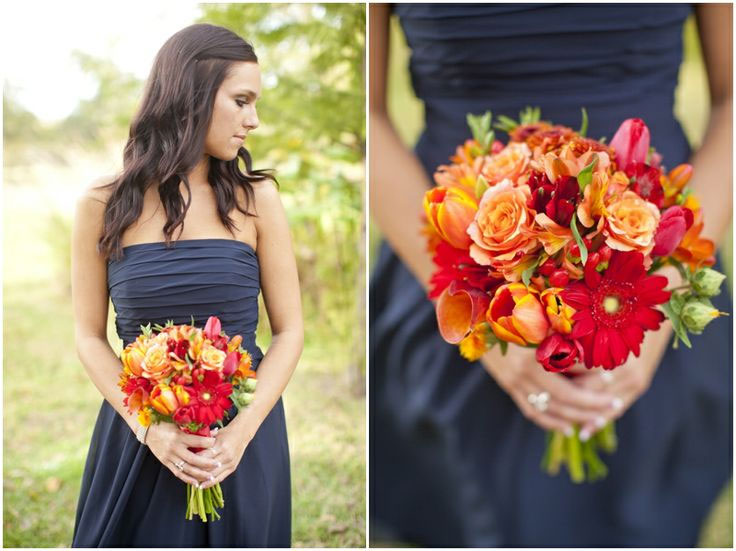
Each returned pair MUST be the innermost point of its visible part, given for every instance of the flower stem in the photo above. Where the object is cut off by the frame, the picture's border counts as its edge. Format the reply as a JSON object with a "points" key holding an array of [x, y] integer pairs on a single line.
{"points": [[574, 457]]}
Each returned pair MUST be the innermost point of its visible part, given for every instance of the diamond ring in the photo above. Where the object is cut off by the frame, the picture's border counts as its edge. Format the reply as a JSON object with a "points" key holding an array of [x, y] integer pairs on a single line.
{"points": [[539, 401], [179, 465]]}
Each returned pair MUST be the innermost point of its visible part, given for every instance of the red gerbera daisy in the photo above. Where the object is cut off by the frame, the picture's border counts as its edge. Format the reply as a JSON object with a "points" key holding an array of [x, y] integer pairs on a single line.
{"points": [[457, 265], [615, 308], [209, 396]]}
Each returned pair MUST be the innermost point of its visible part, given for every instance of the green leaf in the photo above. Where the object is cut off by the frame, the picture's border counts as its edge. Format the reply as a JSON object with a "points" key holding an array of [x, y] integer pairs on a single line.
{"points": [[526, 275], [504, 347], [584, 125], [505, 123], [578, 239], [677, 325], [585, 176], [481, 185]]}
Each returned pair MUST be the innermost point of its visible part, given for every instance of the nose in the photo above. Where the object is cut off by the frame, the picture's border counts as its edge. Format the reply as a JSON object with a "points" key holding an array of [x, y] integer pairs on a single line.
{"points": [[251, 121]]}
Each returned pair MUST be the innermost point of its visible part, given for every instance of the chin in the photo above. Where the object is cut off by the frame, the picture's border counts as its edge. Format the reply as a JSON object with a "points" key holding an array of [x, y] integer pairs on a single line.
{"points": [[226, 155]]}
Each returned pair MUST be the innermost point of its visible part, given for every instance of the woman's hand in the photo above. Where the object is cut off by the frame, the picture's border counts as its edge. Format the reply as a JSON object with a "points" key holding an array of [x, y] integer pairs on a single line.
{"points": [[521, 376], [230, 444], [628, 381], [169, 444]]}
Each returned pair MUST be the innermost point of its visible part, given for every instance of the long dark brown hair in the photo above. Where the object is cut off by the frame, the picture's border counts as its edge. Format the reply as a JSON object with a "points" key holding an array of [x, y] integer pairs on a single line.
{"points": [[167, 136]]}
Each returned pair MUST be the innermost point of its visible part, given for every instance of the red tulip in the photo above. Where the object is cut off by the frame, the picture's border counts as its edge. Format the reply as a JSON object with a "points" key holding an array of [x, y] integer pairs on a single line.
{"points": [[631, 143], [672, 227], [557, 353]]}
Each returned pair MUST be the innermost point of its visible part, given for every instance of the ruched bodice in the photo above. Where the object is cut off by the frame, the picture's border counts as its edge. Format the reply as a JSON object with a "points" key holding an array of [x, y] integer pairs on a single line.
{"points": [[193, 278], [618, 61]]}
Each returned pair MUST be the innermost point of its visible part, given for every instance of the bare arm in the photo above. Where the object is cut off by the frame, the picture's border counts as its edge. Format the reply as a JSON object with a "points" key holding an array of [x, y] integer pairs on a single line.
{"points": [[712, 163], [397, 179], [280, 287], [90, 301]]}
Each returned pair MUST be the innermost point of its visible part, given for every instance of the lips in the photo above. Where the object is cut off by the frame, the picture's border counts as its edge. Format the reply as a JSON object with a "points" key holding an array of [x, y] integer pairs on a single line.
{"points": [[239, 136]]}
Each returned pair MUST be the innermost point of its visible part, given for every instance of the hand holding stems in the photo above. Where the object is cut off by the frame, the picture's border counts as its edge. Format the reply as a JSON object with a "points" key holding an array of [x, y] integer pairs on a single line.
{"points": [[569, 404], [230, 444], [170, 446]]}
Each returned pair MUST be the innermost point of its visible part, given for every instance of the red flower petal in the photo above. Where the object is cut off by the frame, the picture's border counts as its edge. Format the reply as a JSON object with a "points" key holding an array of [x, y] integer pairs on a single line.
{"points": [[584, 324], [633, 335], [601, 354], [577, 296], [648, 318], [618, 347]]}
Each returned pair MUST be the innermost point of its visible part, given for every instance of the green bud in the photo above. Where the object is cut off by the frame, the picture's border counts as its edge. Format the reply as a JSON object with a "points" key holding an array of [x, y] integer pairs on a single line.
{"points": [[245, 398], [249, 385], [696, 314], [707, 282]]}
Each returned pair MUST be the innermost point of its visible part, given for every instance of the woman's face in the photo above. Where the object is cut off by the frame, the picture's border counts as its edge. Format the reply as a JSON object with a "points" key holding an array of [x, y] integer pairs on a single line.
{"points": [[234, 112]]}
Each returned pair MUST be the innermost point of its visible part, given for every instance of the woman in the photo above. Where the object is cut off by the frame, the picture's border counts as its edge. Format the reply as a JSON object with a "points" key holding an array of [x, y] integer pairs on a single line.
{"points": [[450, 442], [183, 231]]}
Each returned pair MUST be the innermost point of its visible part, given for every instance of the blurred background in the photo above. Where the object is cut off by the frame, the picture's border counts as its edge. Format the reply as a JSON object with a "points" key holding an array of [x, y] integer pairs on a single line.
{"points": [[69, 94], [692, 110]]}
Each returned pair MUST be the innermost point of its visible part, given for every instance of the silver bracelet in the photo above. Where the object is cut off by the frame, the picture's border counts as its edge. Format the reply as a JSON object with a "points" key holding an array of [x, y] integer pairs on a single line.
{"points": [[141, 433]]}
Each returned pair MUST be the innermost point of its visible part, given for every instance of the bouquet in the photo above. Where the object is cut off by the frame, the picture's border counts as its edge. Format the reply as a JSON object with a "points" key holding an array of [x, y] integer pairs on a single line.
{"points": [[189, 377], [553, 241]]}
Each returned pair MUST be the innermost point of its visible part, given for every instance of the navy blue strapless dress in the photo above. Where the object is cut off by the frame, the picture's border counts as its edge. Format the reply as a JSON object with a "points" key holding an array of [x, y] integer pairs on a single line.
{"points": [[453, 462], [128, 498]]}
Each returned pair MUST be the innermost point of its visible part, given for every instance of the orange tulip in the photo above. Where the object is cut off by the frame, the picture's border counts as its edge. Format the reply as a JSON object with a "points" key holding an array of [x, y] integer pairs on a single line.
{"points": [[166, 399], [450, 211], [559, 314], [693, 250], [458, 310], [517, 316]]}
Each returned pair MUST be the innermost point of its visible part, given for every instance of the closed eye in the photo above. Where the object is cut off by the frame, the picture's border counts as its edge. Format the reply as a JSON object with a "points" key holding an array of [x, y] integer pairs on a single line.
{"points": [[241, 103]]}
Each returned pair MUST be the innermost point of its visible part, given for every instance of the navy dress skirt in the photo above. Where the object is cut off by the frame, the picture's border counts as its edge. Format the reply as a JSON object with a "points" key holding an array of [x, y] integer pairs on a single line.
{"points": [[128, 498], [453, 462]]}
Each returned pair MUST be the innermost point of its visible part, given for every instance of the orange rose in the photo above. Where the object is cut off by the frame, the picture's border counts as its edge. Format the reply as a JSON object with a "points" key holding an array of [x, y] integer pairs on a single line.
{"points": [[509, 163], [516, 315], [132, 356], [502, 229], [631, 223], [559, 314], [212, 358], [450, 211], [156, 364]]}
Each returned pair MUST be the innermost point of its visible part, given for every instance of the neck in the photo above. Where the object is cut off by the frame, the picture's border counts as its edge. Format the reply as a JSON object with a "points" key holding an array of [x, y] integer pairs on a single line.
{"points": [[200, 174]]}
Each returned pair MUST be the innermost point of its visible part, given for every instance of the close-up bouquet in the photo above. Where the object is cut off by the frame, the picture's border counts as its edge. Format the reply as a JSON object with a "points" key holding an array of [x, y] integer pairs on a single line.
{"points": [[190, 377], [554, 241]]}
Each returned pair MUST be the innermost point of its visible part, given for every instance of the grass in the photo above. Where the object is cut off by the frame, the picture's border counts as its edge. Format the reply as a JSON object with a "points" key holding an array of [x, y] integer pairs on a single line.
{"points": [[51, 405]]}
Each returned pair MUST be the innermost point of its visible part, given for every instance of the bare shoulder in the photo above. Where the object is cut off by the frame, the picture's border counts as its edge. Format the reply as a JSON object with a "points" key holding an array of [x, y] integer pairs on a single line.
{"points": [[96, 194], [267, 199], [91, 204]]}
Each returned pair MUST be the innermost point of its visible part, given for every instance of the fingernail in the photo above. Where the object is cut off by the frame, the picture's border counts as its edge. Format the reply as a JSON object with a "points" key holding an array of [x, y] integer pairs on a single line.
{"points": [[584, 435], [600, 422], [568, 431], [219, 464], [212, 478], [617, 403]]}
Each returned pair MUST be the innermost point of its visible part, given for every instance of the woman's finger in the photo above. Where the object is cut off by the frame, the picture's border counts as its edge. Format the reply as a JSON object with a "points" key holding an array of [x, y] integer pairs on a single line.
{"points": [[196, 460], [181, 475], [219, 478], [200, 474], [194, 441], [573, 395], [540, 418]]}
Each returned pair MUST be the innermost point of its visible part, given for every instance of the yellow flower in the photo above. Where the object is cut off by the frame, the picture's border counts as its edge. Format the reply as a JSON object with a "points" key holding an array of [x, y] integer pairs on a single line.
{"points": [[156, 362], [475, 345], [559, 314], [144, 416]]}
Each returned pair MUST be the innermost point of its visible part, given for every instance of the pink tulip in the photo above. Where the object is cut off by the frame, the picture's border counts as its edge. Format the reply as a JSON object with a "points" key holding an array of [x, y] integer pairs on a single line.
{"points": [[213, 328], [232, 360], [631, 143], [672, 227]]}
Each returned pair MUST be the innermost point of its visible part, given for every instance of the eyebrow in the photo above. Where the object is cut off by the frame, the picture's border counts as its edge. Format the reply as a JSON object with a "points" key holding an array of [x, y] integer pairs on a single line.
{"points": [[247, 93]]}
